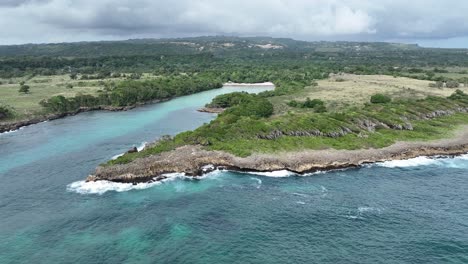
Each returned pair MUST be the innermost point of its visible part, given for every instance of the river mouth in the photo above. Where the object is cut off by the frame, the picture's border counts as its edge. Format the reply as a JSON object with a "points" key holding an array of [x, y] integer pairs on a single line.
{"points": [[380, 210], [113, 132]]}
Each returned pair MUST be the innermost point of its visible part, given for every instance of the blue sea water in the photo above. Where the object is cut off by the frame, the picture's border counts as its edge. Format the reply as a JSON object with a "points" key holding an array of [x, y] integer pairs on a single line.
{"points": [[414, 211]]}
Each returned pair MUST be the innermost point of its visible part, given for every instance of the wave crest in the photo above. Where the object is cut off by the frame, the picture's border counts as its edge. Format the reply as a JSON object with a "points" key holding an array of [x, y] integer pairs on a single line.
{"points": [[448, 162], [274, 174], [101, 187], [415, 162], [139, 148]]}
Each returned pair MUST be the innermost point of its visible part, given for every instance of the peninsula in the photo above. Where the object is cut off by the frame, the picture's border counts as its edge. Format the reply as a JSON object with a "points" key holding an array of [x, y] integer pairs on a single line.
{"points": [[285, 133], [335, 104]]}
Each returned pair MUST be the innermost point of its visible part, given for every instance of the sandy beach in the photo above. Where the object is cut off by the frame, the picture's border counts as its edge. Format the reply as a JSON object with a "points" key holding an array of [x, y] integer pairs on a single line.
{"points": [[248, 84]]}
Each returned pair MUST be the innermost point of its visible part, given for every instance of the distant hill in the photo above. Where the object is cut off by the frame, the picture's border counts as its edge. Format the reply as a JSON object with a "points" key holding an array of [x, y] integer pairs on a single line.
{"points": [[217, 45]]}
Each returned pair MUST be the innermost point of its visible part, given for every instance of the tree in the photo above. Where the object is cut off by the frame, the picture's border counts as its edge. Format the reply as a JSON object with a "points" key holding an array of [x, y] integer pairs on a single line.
{"points": [[24, 89], [73, 76], [69, 86]]}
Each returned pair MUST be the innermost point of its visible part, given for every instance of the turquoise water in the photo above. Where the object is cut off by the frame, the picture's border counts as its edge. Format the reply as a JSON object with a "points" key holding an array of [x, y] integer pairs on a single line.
{"points": [[398, 212]]}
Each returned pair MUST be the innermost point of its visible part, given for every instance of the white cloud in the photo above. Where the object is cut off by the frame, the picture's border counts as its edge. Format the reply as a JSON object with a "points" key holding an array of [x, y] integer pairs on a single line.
{"points": [[72, 20]]}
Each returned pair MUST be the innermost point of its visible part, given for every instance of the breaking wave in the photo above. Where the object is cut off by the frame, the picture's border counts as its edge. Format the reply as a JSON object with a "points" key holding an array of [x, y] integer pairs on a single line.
{"points": [[449, 162], [274, 174], [415, 162], [139, 148], [101, 187]]}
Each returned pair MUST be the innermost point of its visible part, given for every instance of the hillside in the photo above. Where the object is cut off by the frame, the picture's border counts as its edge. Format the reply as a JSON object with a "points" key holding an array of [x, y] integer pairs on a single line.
{"points": [[217, 45]]}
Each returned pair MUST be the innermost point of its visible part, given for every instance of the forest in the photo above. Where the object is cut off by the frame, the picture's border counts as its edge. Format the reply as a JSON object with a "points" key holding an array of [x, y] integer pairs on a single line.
{"points": [[185, 66]]}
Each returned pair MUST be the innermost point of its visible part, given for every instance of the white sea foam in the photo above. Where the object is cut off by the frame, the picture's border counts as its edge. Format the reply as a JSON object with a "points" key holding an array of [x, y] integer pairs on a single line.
{"points": [[449, 162], [142, 146], [274, 174], [21, 128], [139, 148], [366, 209], [9, 132], [257, 180], [101, 187], [209, 167], [117, 156], [415, 162], [363, 211]]}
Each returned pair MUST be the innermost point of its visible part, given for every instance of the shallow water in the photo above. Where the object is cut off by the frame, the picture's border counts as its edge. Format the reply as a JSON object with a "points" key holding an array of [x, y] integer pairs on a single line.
{"points": [[395, 212]]}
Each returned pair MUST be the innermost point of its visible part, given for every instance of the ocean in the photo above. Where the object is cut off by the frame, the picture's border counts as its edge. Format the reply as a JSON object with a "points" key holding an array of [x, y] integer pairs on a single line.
{"points": [[413, 211]]}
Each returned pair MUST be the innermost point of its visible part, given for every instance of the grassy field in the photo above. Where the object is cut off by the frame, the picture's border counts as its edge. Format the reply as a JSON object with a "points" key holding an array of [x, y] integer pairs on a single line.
{"points": [[342, 91], [44, 87]]}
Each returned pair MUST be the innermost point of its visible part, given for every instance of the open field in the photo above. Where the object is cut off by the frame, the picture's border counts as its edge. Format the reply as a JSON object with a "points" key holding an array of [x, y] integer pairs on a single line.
{"points": [[44, 87], [344, 90]]}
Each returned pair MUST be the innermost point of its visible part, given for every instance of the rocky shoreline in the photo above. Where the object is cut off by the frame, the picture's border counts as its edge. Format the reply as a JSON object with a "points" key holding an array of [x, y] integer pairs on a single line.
{"points": [[195, 161], [212, 110]]}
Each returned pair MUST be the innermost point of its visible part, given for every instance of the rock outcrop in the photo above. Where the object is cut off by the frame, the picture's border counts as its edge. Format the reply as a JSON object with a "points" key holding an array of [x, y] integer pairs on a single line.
{"points": [[214, 110], [193, 160]]}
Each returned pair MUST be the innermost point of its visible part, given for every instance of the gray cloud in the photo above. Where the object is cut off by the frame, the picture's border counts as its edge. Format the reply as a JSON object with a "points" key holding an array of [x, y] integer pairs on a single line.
{"points": [[73, 20]]}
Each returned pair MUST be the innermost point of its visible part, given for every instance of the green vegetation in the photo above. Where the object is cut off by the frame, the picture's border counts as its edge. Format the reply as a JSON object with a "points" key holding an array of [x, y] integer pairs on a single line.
{"points": [[243, 104], [370, 126], [100, 69], [316, 104], [24, 88], [321, 99], [5, 112], [380, 99], [230, 99], [130, 92]]}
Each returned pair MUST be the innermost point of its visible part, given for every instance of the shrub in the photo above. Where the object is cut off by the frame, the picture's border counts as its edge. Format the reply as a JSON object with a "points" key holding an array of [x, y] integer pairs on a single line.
{"points": [[294, 103], [316, 104], [5, 112], [380, 99], [24, 89], [312, 103], [458, 94], [452, 84]]}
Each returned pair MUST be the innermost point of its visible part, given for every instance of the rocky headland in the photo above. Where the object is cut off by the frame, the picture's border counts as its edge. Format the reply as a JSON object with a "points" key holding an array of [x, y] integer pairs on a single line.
{"points": [[195, 161]]}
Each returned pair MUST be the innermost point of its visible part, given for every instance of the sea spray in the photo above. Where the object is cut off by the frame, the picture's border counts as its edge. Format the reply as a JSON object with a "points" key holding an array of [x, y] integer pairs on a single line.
{"points": [[274, 174], [101, 187], [139, 148], [442, 161]]}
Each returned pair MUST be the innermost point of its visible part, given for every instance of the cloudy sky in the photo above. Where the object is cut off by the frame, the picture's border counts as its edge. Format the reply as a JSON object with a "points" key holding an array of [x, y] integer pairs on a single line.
{"points": [[427, 22]]}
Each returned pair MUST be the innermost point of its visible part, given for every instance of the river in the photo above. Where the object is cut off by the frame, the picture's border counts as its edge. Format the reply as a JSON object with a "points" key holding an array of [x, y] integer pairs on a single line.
{"points": [[413, 211]]}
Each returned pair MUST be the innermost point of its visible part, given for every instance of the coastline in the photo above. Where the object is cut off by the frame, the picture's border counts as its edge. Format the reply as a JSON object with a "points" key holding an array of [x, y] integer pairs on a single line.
{"points": [[195, 161], [6, 127], [15, 125]]}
